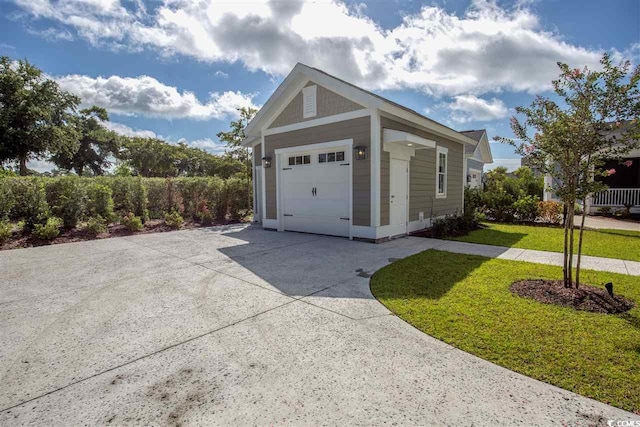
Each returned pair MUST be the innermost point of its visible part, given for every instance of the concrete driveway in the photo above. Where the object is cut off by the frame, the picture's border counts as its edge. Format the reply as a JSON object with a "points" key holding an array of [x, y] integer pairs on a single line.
{"points": [[239, 326]]}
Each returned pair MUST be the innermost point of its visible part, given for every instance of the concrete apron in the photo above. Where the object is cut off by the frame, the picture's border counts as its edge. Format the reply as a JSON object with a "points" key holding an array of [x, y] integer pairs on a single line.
{"points": [[238, 325]]}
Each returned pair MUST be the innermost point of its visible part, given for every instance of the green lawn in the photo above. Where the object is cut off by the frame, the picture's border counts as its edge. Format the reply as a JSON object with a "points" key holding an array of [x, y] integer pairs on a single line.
{"points": [[464, 300], [603, 243]]}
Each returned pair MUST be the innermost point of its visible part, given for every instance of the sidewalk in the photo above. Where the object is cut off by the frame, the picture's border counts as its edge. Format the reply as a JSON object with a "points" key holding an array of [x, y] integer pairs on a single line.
{"points": [[599, 222], [529, 255]]}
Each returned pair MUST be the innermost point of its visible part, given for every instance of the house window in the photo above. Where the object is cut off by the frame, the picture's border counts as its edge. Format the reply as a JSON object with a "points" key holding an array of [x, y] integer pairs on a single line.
{"points": [[441, 172], [309, 101]]}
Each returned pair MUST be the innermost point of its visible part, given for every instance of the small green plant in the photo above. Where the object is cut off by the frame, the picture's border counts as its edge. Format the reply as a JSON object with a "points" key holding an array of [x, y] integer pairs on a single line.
{"points": [[173, 220], [96, 225], [20, 226], [132, 222], [50, 230], [5, 231], [605, 210]]}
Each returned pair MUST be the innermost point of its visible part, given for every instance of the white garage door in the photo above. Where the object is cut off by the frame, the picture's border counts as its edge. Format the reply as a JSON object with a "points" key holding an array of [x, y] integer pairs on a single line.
{"points": [[314, 188]]}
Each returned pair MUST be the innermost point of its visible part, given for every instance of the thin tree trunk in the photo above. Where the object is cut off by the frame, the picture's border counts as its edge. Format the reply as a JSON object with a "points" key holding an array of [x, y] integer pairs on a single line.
{"points": [[570, 217], [565, 275], [584, 215], [23, 166]]}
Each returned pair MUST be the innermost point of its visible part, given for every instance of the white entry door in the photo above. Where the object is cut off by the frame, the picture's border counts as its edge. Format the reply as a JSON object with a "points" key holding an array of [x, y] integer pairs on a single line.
{"points": [[315, 191], [399, 201]]}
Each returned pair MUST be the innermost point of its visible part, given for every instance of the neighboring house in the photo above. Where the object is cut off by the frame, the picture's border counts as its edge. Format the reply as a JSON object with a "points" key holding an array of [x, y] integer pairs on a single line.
{"points": [[624, 185], [477, 156], [332, 158]]}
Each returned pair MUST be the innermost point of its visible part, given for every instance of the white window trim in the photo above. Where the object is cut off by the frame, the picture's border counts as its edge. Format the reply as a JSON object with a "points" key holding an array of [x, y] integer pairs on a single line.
{"points": [[445, 151], [310, 91]]}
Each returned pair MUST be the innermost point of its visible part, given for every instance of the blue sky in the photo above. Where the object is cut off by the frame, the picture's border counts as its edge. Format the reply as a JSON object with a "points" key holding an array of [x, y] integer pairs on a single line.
{"points": [[178, 69]]}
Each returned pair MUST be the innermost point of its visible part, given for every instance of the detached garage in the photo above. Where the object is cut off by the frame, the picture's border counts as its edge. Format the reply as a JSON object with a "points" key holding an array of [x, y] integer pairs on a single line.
{"points": [[331, 158]]}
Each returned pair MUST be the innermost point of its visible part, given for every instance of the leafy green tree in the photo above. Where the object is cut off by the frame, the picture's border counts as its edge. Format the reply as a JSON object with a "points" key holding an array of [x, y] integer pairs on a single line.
{"points": [[35, 115], [234, 137], [97, 144], [597, 120]]}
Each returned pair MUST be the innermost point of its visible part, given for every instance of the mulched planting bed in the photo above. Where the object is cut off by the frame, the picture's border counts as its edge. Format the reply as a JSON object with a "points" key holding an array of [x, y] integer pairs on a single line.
{"points": [[25, 240], [587, 298]]}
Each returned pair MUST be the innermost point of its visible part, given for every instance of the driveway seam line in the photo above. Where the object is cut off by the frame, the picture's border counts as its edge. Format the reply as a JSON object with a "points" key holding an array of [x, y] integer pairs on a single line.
{"points": [[147, 356]]}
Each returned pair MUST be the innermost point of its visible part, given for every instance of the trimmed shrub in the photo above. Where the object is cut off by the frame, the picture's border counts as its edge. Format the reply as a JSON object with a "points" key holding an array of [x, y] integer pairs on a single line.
{"points": [[173, 220], [526, 208], [132, 222], [96, 225], [550, 212], [7, 200], [139, 199], [31, 202], [203, 213], [237, 200], [50, 230], [156, 197], [6, 231], [100, 202], [121, 192], [67, 199]]}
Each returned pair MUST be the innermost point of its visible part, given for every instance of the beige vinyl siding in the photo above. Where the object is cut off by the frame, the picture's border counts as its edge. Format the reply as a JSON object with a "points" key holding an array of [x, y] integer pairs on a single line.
{"points": [[328, 104], [422, 176], [357, 129]]}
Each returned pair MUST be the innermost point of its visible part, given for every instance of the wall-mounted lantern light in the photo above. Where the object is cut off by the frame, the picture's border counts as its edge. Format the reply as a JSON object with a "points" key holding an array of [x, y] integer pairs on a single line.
{"points": [[361, 152], [468, 179], [267, 161]]}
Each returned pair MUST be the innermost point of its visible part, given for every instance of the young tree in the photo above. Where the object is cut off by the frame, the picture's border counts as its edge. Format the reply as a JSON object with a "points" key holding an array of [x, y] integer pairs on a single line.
{"points": [[598, 120], [35, 115], [97, 144], [234, 137]]}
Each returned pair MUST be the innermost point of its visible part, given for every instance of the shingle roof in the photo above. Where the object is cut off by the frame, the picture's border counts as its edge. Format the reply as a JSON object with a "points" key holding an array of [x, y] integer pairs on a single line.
{"points": [[475, 135]]}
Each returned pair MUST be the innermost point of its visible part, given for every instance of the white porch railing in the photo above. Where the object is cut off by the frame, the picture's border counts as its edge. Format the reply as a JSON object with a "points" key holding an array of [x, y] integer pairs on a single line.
{"points": [[617, 197]]}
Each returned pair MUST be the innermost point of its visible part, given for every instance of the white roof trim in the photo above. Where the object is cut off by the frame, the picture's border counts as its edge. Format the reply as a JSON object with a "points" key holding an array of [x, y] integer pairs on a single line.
{"points": [[406, 138], [485, 149], [300, 73]]}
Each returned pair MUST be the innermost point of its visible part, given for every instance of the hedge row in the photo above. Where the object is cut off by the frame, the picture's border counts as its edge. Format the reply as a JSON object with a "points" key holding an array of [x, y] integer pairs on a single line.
{"points": [[74, 199]]}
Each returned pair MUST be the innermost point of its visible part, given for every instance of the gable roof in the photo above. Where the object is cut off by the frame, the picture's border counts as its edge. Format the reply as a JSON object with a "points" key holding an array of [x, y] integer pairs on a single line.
{"points": [[301, 74], [482, 147]]}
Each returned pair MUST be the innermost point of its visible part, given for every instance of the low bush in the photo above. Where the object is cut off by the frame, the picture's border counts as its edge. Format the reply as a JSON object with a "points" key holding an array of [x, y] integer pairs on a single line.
{"points": [[550, 212], [50, 230], [173, 220], [67, 199], [7, 200], [96, 225], [132, 222], [525, 209], [203, 213], [455, 225], [31, 202], [100, 202], [6, 231]]}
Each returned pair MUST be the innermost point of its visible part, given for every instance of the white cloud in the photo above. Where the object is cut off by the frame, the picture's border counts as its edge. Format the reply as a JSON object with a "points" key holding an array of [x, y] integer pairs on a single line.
{"points": [[147, 96], [469, 108], [125, 130], [487, 49], [207, 144], [221, 74], [52, 34]]}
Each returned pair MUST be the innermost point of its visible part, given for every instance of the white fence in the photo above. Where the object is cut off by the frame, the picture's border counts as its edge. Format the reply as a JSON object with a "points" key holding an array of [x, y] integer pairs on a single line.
{"points": [[617, 197]]}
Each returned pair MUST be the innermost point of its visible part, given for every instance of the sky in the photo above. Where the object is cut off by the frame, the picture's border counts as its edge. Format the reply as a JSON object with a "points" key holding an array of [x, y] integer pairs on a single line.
{"points": [[179, 69]]}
